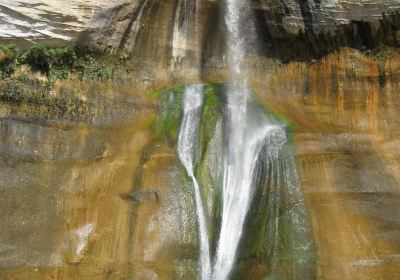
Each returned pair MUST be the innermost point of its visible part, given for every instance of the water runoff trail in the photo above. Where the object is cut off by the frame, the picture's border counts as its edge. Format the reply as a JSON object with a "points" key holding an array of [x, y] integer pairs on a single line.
{"points": [[252, 140], [187, 148]]}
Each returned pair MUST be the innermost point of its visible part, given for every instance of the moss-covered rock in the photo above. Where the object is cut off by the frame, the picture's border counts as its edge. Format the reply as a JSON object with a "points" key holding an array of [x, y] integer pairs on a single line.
{"points": [[170, 103]]}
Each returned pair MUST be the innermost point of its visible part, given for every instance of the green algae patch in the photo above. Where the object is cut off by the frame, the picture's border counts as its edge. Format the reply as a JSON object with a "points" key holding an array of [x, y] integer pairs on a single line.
{"points": [[168, 121], [170, 105]]}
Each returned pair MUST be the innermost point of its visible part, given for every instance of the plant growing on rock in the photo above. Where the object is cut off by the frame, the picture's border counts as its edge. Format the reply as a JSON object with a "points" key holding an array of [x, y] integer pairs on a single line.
{"points": [[43, 58], [57, 63], [91, 68], [54, 62], [8, 59]]}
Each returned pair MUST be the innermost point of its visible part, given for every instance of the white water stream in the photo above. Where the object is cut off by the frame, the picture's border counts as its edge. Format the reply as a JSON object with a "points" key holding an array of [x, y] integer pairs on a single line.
{"points": [[250, 138], [247, 134], [187, 140]]}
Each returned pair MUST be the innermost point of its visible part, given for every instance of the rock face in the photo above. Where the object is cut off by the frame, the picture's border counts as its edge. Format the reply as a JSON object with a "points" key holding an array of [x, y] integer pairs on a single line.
{"points": [[172, 39], [346, 141], [324, 15], [156, 32], [89, 191], [99, 198], [280, 18], [51, 20]]}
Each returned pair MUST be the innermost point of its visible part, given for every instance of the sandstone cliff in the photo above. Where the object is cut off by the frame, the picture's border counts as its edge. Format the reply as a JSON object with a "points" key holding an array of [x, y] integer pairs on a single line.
{"points": [[89, 189]]}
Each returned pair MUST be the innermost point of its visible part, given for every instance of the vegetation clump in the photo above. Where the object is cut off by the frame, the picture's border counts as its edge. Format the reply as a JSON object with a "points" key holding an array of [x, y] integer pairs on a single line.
{"points": [[91, 68], [57, 63], [8, 59], [383, 52], [45, 59]]}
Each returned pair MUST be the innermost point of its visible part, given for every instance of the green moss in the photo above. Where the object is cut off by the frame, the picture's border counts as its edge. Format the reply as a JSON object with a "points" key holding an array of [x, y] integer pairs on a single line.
{"points": [[170, 103], [168, 122], [158, 93], [8, 59], [212, 112], [167, 127]]}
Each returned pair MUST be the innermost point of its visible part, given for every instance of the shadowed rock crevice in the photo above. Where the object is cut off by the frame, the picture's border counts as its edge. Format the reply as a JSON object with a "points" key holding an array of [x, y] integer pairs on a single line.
{"points": [[307, 45]]}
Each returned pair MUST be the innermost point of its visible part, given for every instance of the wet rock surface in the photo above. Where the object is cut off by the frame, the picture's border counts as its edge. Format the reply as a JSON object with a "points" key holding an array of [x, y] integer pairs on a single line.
{"points": [[346, 150], [89, 191], [110, 200]]}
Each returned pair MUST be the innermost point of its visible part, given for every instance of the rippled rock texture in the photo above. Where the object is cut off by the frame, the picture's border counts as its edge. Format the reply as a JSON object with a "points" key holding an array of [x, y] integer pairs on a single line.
{"points": [[171, 40], [186, 38], [51, 20]]}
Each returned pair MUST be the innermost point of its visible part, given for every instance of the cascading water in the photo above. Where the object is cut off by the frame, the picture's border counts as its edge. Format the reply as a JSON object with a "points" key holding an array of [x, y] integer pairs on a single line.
{"points": [[247, 134], [253, 140], [255, 154], [187, 140]]}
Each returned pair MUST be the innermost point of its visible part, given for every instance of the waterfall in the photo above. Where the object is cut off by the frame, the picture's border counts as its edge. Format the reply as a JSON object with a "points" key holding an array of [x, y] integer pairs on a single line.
{"points": [[187, 144], [248, 132], [251, 138], [256, 155]]}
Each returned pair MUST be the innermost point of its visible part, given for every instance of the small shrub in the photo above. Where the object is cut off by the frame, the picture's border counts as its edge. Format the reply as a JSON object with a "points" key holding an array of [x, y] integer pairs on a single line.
{"points": [[9, 91], [44, 59], [57, 63], [91, 68], [58, 73], [383, 52], [8, 59]]}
